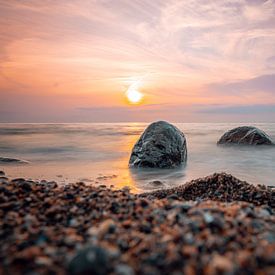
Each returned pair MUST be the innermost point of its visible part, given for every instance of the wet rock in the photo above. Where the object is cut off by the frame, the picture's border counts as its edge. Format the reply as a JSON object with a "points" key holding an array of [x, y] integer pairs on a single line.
{"points": [[12, 160], [92, 260], [246, 135], [156, 183], [161, 145]]}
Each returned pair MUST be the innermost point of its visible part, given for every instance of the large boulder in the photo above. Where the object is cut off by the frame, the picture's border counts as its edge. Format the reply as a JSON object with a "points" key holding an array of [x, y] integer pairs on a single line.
{"points": [[161, 145], [246, 135]]}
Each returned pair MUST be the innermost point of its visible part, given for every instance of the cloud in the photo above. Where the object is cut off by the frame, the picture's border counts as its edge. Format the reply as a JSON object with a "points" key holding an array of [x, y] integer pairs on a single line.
{"points": [[96, 49], [263, 83], [239, 109]]}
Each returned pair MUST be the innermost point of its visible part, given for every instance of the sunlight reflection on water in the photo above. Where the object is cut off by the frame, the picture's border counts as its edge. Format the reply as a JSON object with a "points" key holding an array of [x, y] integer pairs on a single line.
{"points": [[91, 151]]}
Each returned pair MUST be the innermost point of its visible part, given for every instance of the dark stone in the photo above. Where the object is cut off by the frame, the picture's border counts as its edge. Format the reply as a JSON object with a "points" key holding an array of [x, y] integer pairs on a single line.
{"points": [[92, 260], [3, 179], [246, 135], [114, 207], [173, 197], [162, 145], [18, 180], [185, 207], [2, 173], [26, 186], [12, 160], [145, 228], [69, 196], [156, 183], [144, 203]]}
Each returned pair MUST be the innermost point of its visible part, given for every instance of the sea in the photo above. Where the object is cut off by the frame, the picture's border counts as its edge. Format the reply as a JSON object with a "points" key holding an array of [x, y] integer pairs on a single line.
{"points": [[98, 153]]}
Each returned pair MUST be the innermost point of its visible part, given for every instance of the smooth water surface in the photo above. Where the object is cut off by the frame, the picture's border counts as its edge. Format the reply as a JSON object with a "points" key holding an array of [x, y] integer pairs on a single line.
{"points": [[99, 153]]}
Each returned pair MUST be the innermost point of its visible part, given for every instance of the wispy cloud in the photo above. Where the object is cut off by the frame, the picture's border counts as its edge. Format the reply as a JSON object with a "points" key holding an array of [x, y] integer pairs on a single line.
{"points": [[263, 83], [95, 49], [240, 109]]}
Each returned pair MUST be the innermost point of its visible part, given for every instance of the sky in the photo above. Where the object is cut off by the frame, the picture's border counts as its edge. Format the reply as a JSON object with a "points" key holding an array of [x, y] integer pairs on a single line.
{"points": [[193, 60]]}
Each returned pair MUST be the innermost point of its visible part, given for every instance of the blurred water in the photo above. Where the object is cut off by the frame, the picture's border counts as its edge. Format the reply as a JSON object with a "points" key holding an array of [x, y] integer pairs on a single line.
{"points": [[100, 153]]}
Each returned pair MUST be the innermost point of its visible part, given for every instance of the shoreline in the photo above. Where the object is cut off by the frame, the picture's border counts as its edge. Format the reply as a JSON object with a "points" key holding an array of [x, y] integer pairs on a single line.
{"points": [[213, 225]]}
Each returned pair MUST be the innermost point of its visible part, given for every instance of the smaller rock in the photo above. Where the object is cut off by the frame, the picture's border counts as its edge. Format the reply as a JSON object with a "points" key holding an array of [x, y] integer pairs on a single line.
{"points": [[2, 173], [156, 183], [246, 135]]}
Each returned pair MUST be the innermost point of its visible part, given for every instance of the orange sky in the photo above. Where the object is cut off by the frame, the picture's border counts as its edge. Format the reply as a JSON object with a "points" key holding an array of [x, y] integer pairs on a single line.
{"points": [[67, 61]]}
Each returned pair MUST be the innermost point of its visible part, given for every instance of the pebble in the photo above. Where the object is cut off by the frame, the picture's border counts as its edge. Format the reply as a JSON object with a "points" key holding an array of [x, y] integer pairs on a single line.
{"points": [[46, 228], [219, 187], [3, 179], [156, 183], [123, 269], [91, 260]]}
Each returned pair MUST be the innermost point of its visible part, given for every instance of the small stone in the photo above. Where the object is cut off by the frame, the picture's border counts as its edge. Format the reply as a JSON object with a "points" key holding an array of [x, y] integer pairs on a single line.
{"points": [[106, 227], [145, 227], [92, 260], [3, 179], [156, 183], [208, 218], [264, 213], [115, 207], [18, 180], [26, 186], [123, 269], [173, 197], [43, 261], [144, 203], [12, 160], [2, 173], [220, 264]]}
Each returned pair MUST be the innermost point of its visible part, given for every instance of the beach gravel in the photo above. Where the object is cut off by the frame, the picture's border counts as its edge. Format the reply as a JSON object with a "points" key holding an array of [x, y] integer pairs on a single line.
{"points": [[85, 229]]}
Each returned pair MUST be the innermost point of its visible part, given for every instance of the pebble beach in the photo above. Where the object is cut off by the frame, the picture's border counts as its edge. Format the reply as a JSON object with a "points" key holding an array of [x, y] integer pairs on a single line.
{"points": [[212, 225], [137, 137]]}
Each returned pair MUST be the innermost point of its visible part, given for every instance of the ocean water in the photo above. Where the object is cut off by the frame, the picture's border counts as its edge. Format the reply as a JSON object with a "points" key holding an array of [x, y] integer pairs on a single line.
{"points": [[99, 153]]}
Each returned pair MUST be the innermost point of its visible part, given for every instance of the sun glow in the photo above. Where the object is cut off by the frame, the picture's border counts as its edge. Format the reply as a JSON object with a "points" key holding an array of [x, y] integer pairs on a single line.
{"points": [[134, 96]]}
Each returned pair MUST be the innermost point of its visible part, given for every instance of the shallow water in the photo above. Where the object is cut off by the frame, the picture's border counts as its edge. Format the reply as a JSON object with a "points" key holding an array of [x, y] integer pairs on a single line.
{"points": [[100, 152]]}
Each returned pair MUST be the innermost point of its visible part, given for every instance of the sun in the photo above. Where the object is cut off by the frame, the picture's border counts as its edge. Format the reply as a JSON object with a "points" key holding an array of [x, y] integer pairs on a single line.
{"points": [[134, 95]]}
